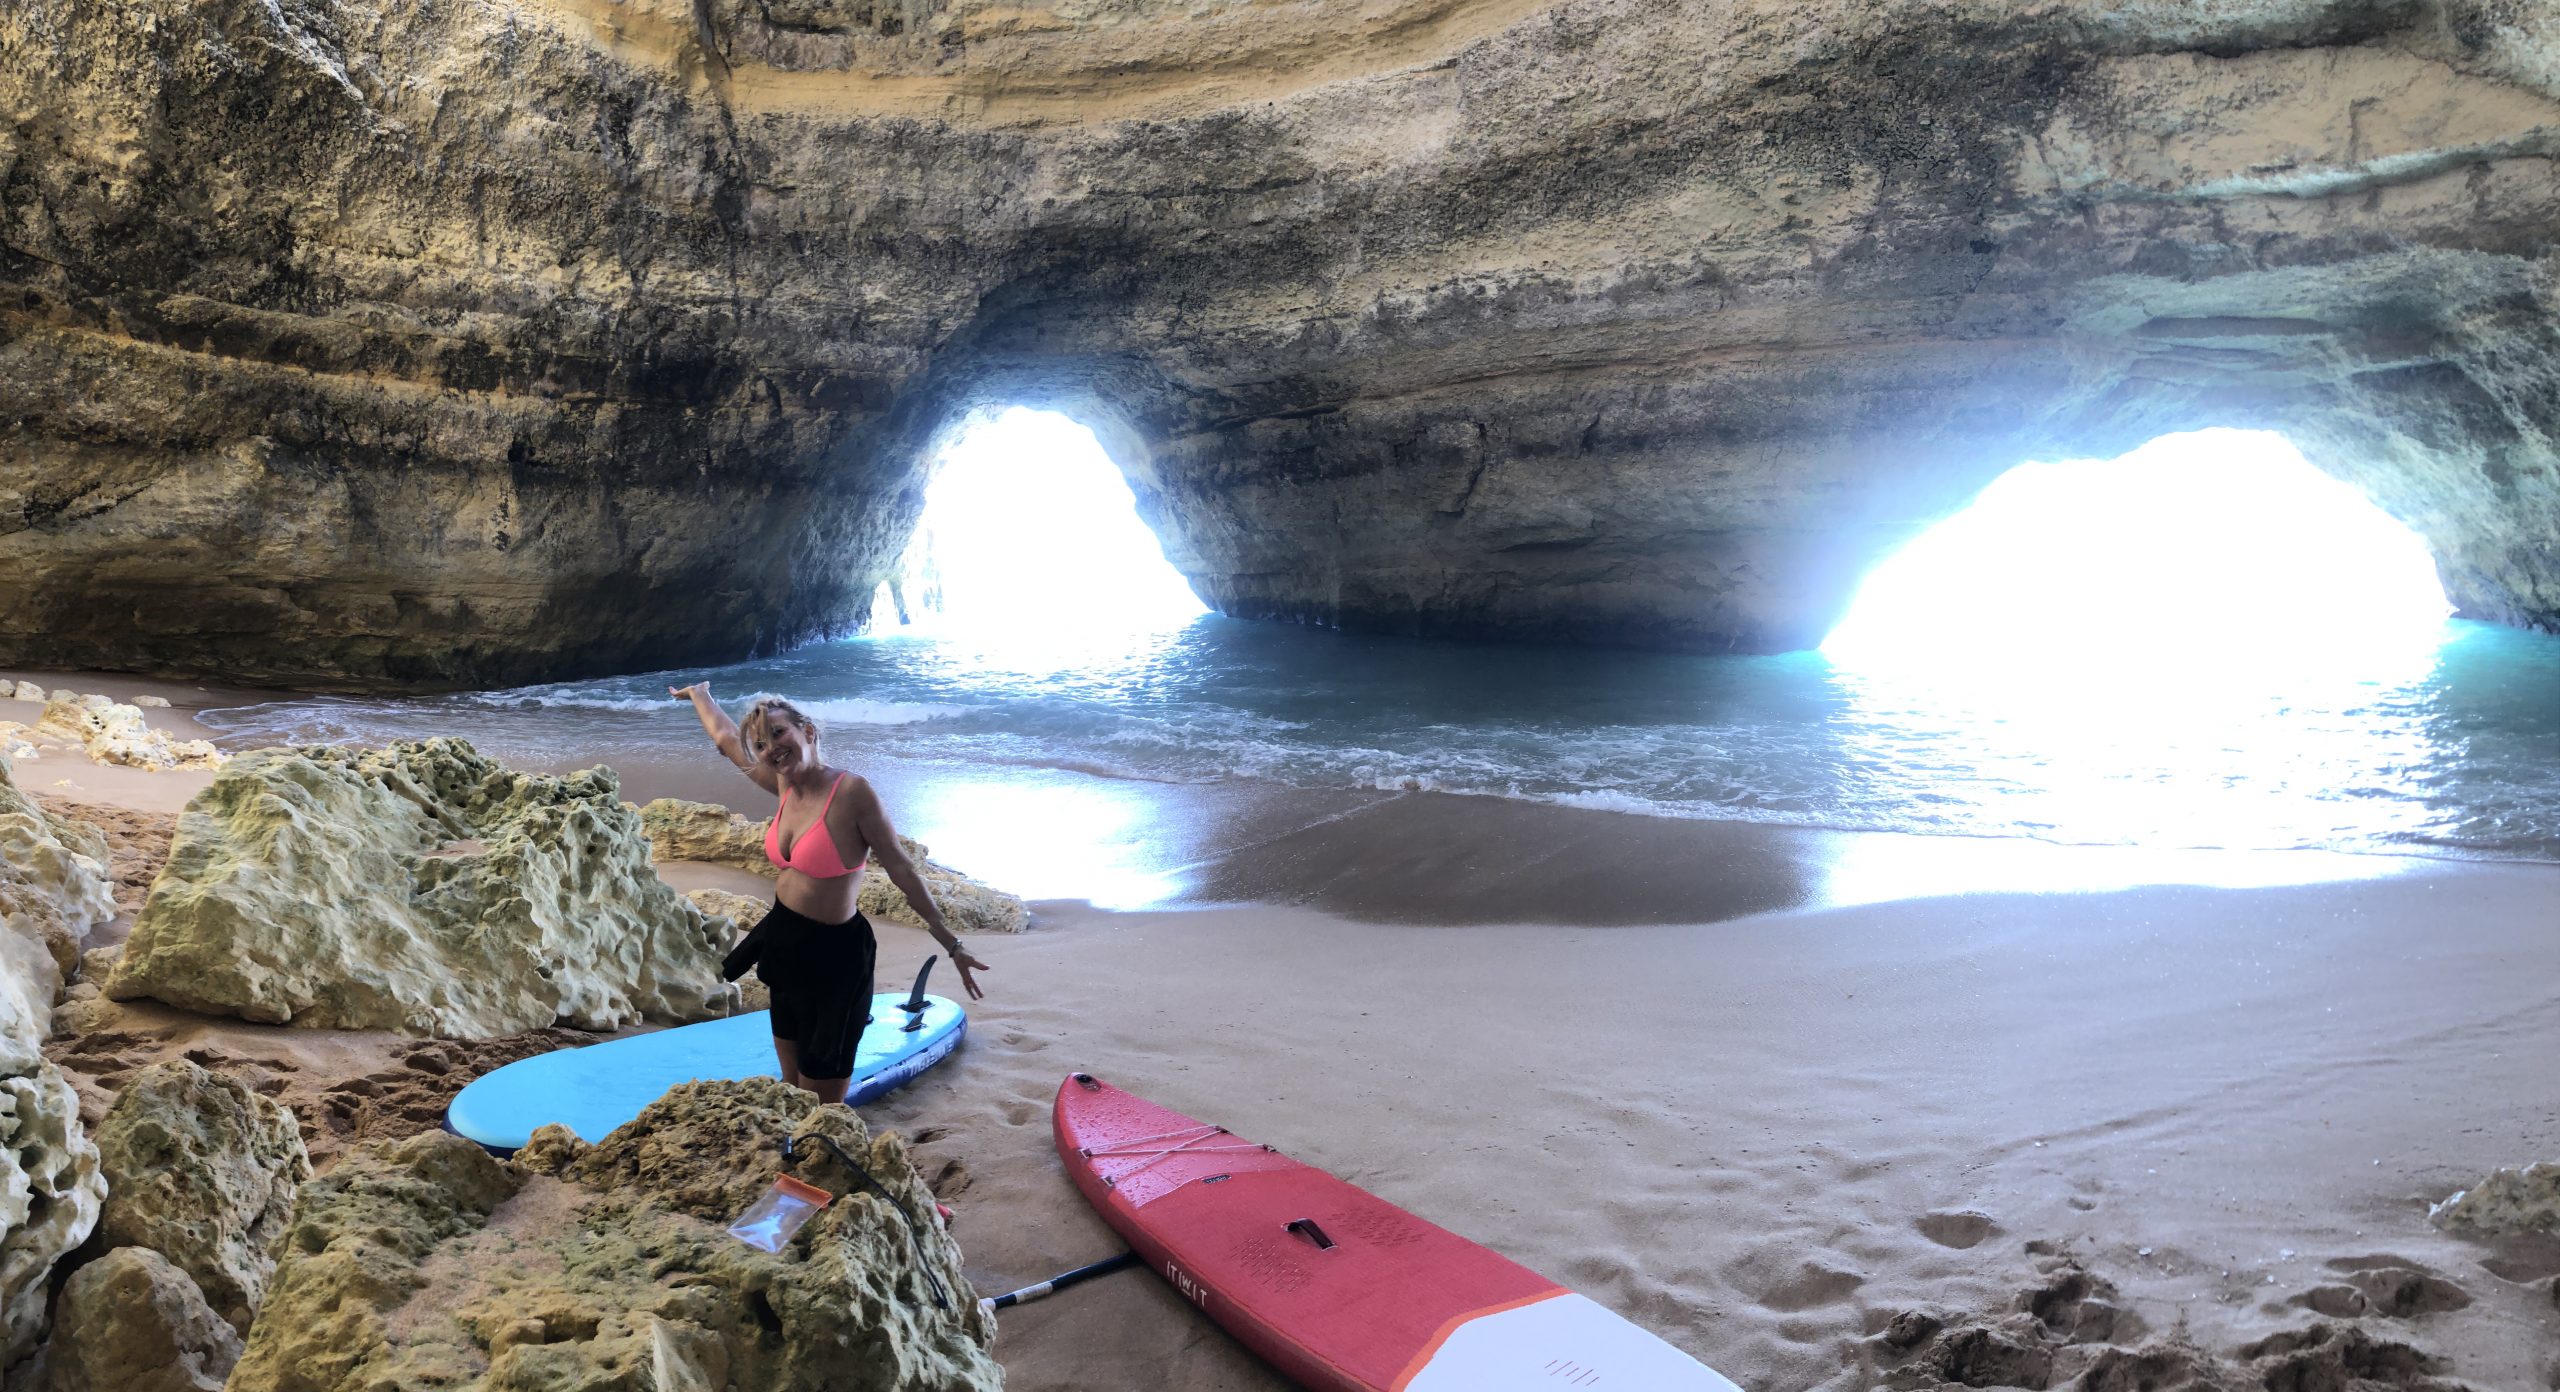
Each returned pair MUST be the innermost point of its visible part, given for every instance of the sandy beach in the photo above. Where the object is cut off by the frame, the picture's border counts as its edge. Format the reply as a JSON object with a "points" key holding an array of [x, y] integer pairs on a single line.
{"points": [[1761, 1090]]}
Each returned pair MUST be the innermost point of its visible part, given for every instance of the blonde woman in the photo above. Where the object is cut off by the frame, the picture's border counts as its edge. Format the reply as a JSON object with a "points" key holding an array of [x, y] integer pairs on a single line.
{"points": [[814, 949]]}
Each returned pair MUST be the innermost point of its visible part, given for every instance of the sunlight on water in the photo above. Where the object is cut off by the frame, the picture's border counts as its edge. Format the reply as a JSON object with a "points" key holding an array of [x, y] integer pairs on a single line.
{"points": [[2129, 647], [2192, 558], [1031, 548]]}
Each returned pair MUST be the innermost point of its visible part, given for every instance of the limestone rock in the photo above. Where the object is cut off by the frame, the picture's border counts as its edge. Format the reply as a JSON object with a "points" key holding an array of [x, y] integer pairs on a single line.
{"points": [[98, 963], [28, 691], [1602, 320], [49, 1188], [53, 881], [680, 830], [203, 1171], [49, 1181], [706, 832], [550, 1149], [131, 1322], [152, 702], [741, 911], [2507, 1202], [730, 915], [421, 888], [113, 733], [967, 906], [393, 1278]]}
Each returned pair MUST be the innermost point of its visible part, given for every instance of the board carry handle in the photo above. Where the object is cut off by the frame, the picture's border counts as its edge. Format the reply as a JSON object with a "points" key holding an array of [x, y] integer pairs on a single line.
{"points": [[915, 999], [1306, 1228]]}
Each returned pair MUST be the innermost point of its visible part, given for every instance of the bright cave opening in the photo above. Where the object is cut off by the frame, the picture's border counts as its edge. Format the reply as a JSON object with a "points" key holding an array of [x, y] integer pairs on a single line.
{"points": [[2198, 557], [1031, 536]]}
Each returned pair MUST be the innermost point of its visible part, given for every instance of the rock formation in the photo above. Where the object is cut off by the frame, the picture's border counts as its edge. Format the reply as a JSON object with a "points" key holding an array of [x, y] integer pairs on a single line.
{"points": [[420, 888], [409, 1265], [113, 733], [202, 1171], [352, 342], [131, 1322], [53, 887], [2507, 1202], [708, 832], [49, 1184]]}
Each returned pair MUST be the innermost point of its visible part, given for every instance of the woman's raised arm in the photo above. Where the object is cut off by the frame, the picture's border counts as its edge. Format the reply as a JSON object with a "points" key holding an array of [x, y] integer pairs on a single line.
{"points": [[723, 731]]}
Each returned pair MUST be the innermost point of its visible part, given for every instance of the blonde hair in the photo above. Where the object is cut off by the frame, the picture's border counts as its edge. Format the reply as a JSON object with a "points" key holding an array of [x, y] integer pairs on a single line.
{"points": [[753, 727]]}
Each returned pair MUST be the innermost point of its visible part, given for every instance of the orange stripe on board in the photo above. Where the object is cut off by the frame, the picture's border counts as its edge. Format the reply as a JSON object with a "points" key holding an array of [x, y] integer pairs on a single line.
{"points": [[1422, 1360]]}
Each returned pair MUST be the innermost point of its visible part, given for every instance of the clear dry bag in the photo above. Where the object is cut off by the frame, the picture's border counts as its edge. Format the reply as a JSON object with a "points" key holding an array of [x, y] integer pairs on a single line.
{"points": [[778, 1212]]}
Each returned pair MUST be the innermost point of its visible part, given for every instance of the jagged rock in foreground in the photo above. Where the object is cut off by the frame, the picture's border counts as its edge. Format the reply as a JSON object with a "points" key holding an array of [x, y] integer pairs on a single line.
{"points": [[420, 888], [131, 1322], [2508, 1201], [708, 832], [49, 1182], [427, 1262], [202, 1171]]}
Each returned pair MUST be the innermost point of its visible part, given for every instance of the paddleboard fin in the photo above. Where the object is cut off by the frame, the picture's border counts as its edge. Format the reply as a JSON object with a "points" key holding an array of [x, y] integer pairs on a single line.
{"points": [[915, 999]]}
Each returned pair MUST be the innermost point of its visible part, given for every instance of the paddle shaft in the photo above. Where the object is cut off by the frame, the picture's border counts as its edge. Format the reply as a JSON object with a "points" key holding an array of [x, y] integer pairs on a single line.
{"points": [[1058, 1283]]}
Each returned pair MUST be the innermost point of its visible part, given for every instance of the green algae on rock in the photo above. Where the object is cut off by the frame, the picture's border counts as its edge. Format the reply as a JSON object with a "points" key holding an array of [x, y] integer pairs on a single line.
{"points": [[426, 1263], [714, 835], [422, 888], [202, 1171]]}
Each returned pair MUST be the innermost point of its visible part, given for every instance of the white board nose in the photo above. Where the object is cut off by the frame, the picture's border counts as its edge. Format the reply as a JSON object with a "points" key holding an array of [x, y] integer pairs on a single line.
{"points": [[1566, 1343]]}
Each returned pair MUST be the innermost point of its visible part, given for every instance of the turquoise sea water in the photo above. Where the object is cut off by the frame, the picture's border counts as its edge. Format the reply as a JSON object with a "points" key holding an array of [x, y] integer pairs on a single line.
{"points": [[2455, 751]]}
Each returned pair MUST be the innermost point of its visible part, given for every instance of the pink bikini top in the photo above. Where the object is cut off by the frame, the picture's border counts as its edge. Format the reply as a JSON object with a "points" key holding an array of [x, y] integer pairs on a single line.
{"points": [[815, 855]]}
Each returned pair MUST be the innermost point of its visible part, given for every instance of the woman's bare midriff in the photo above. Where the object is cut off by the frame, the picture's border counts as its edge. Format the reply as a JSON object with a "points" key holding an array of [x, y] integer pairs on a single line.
{"points": [[828, 900]]}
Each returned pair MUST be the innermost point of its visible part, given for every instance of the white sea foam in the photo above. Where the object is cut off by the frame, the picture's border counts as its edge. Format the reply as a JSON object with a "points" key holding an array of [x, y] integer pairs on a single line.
{"points": [[853, 710]]}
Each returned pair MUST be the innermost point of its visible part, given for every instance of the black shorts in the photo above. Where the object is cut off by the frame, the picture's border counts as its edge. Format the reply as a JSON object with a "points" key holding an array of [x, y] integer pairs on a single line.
{"points": [[820, 976]]}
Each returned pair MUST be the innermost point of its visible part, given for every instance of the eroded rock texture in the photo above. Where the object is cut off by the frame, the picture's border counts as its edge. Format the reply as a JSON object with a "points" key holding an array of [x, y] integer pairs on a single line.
{"points": [[202, 1171], [421, 888], [428, 1263], [348, 340], [50, 894], [132, 1322]]}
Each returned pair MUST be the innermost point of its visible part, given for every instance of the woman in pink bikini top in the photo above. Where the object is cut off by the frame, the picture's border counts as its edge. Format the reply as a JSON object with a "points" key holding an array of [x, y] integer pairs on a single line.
{"points": [[814, 950]]}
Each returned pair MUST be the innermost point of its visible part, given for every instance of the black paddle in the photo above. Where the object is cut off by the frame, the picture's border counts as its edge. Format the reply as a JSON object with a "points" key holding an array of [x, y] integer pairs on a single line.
{"points": [[1058, 1283]]}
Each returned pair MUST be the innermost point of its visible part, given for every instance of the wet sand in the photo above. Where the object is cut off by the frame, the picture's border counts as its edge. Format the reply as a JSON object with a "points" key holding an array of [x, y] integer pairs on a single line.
{"points": [[1761, 1090]]}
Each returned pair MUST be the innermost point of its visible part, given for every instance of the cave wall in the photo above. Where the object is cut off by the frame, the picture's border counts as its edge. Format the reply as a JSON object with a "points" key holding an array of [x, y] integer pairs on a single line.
{"points": [[453, 341]]}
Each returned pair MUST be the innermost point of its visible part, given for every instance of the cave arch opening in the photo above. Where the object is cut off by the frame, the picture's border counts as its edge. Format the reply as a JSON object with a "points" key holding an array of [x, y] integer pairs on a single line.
{"points": [[1030, 536], [2221, 552]]}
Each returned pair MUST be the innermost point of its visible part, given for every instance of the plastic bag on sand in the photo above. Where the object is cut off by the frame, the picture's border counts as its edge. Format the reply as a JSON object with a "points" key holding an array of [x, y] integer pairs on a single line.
{"points": [[778, 1212]]}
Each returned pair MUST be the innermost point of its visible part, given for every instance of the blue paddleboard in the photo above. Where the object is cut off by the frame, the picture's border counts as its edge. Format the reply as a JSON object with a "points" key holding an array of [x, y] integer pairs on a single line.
{"points": [[594, 1089]]}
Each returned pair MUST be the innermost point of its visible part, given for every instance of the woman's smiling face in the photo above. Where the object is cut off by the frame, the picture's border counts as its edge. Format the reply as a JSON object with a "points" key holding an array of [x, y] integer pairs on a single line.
{"points": [[786, 747]]}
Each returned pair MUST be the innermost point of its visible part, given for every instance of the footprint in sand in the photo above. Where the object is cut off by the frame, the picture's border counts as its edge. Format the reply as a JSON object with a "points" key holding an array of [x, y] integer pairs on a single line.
{"points": [[2403, 1292], [2080, 1307], [1020, 1113], [1957, 1228], [1809, 1285], [950, 1181]]}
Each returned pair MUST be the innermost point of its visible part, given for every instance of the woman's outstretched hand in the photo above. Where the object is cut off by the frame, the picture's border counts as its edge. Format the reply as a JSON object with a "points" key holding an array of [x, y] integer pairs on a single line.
{"points": [[687, 693], [965, 964]]}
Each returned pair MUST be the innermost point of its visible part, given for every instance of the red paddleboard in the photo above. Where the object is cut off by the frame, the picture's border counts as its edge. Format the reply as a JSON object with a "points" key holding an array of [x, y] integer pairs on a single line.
{"points": [[1338, 1288]]}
